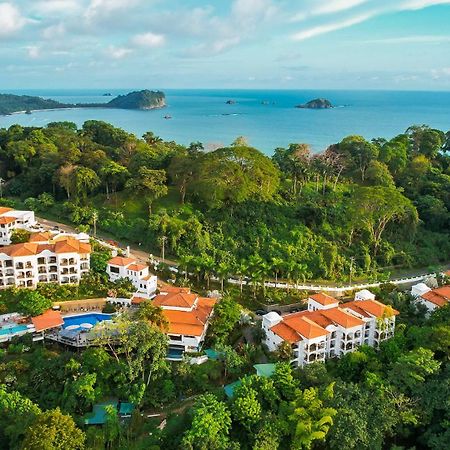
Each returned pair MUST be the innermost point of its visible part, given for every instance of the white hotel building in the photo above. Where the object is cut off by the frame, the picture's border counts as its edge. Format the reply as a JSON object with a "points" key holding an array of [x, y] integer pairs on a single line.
{"points": [[10, 220], [328, 330], [139, 275], [62, 261]]}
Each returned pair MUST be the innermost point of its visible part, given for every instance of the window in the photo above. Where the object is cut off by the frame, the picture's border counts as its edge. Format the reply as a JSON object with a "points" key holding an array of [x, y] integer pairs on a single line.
{"points": [[114, 269]]}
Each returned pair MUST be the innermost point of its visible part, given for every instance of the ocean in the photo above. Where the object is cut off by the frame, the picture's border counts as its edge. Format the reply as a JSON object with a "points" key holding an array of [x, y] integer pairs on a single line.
{"points": [[266, 118]]}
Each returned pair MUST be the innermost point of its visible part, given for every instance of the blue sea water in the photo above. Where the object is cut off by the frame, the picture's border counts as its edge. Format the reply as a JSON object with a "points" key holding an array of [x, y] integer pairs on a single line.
{"points": [[267, 118]]}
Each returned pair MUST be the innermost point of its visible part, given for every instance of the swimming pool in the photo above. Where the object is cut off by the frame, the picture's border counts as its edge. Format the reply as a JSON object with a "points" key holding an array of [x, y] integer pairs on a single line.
{"points": [[12, 329], [89, 318]]}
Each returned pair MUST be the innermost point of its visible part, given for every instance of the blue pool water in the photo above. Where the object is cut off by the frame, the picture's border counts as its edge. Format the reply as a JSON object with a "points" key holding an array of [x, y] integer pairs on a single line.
{"points": [[91, 318], [12, 329]]}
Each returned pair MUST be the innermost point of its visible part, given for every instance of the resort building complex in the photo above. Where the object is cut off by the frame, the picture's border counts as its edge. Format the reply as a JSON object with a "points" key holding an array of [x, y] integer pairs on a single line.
{"points": [[188, 318], [431, 298], [139, 275], [62, 261], [329, 329], [11, 220]]}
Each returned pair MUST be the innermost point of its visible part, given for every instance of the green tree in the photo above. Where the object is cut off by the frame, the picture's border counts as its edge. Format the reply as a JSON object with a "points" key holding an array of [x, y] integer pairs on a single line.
{"points": [[227, 313], [149, 182], [32, 303], [17, 413], [412, 369], [211, 424], [139, 347], [86, 180], [359, 153], [154, 314], [18, 236], [53, 430], [246, 408], [310, 419], [374, 208]]}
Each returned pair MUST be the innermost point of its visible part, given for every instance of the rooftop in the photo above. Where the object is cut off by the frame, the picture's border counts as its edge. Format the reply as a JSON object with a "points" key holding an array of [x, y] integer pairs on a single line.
{"points": [[324, 299], [175, 300], [121, 261], [69, 245], [49, 319], [439, 297], [190, 322]]}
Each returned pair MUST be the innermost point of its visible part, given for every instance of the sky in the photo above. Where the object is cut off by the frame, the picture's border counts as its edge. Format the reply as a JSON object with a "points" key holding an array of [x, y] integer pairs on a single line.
{"points": [[278, 44]]}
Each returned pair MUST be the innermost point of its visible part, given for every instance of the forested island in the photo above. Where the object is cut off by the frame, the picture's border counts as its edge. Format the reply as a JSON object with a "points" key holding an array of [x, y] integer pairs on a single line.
{"points": [[143, 100], [318, 103], [358, 210]]}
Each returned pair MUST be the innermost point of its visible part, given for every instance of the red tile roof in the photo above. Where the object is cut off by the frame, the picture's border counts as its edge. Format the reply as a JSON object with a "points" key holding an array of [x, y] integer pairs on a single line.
{"points": [[40, 237], [178, 300], [71, 245], [324, 299], [371, 307], [4, 209], [33, 248], [138, 300], [136, 267], [121, 261], [286, 333], [5, 220], [190, 322], [49, 319], [439, 297], [175, 289], [305, 327]]}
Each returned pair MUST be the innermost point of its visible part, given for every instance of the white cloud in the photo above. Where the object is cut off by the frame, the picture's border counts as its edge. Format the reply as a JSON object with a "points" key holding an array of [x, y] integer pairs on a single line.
{"points": [[104, 8], [11, 19], [328, 27], [150, 40], [56, 7], [33, 51], [334, 6], [54, 31], [417, 39], [118, 52], [420, 4], [337, 11]]}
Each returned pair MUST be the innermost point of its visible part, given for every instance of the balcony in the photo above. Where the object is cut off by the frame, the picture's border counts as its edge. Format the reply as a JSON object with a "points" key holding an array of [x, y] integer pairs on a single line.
{"points": [[41, 261], [19, 266], [53, 278], [43, 279], [84, 266], [8, 263], [53, 269], [42, 270], [51, 260], [316, 347]]}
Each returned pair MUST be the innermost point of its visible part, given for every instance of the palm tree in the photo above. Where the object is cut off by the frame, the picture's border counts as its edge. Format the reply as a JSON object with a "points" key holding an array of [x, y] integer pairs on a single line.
{"points": [[151, 138], [93, 220], [207, 268], [184, 262], [277, 264], [154, 314], [241, 270], [223, 271]]}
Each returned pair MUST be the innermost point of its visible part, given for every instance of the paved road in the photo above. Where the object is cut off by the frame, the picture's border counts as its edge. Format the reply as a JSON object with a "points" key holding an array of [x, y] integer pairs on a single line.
{"points": [[143, 257]]}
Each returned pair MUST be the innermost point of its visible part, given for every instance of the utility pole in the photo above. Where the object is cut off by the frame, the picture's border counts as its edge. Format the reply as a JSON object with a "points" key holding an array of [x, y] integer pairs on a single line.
{"points": [[352, 260]]}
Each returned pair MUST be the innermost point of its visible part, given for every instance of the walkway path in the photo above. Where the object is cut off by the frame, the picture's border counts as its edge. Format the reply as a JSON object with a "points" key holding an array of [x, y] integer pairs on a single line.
{"points": [[143, 256]]}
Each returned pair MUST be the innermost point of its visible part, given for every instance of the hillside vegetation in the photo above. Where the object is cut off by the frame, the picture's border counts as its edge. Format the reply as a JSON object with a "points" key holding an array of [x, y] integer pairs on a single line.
{"points": [[361, 208]]}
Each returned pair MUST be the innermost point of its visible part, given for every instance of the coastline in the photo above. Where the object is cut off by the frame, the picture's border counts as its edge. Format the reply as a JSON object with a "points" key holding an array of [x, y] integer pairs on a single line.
{"points": [[68, 108]]}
